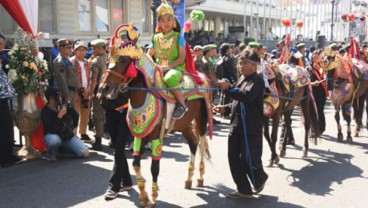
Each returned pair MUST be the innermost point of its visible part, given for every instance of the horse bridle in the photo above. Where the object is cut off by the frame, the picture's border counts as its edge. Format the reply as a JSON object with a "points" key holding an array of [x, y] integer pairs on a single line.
{"points": [[124, 80]]}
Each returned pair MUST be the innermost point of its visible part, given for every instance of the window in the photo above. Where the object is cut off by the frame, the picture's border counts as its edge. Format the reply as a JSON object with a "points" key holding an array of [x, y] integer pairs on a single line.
{"points": [[102, 15], [84, 15], [46, 13], [117, 13], [7, 24]]}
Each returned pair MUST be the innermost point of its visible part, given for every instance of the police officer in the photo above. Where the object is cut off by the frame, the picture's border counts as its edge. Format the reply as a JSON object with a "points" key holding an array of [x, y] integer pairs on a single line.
{"points": [[98, 67], [198, 51], [65, 73], [209, 68]]}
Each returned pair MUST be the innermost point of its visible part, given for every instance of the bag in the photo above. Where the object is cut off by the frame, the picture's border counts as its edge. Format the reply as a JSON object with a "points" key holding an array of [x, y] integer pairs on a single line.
{"points": [[66, 132]]}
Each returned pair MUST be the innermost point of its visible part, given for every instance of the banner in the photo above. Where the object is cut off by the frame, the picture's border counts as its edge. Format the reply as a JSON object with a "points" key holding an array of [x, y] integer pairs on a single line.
{"points": [[180, 12]]}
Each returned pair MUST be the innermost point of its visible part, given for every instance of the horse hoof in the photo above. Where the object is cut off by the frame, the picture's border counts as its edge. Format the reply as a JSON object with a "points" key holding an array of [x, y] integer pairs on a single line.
{"points": [[188, 184], [305, 154], [277, 160], [270, 164], [349, 138], [340, 137], [143, 202], [291, 142], [200, 183], [356, 134], [282, 153]]}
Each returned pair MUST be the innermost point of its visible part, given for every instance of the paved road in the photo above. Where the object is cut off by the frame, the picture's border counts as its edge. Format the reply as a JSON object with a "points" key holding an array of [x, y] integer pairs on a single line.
{"points": [[334, 175]]}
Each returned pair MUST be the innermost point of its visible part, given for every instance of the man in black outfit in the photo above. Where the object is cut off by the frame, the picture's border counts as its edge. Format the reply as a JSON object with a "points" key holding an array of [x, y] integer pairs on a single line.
{"points": [[116, 111], [248, 92], [6, 123]]}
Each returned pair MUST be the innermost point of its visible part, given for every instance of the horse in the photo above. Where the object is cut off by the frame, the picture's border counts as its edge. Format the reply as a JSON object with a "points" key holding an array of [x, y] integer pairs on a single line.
{"points": [[346, 87], [288, 99], [148, 105]]}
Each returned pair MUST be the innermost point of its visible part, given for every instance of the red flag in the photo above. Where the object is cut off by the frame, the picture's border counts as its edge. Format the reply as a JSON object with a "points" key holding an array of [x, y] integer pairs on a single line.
{"points": [[354, 50]]}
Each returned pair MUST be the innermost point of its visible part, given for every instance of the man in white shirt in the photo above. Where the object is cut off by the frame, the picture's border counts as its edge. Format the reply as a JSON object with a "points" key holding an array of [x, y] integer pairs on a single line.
{"points": [[83, 69]]}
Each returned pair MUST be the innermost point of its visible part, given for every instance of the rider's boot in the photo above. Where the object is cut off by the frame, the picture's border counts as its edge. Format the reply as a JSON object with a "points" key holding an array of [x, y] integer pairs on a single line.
{"points": [[181, 108]]}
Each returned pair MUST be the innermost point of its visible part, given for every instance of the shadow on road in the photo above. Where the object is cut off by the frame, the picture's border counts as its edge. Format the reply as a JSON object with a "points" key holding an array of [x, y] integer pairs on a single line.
{"points": [[317, 177], [215, 197]]}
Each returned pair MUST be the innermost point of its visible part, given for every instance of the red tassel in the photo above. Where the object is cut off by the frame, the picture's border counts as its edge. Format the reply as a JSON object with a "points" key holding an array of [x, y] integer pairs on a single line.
{"points": [[158, 29], [190, 66], [131, 71]]}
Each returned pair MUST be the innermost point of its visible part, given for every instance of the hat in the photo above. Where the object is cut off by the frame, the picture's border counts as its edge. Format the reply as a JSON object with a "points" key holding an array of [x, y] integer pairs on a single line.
{"points": [[209, 47], [164, 9], [300, 45], [63, 42], [197, 47], [333, 45], [342, 50], [55, 39], [253, 57], [98, 43], [254, 45], [80, 44]]}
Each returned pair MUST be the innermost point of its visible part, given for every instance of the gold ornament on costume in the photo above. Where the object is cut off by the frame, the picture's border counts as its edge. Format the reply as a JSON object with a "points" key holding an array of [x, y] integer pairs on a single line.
{"points": [[175, 1], [124, 43], [164, 9], [331, 64], [166, 43]]}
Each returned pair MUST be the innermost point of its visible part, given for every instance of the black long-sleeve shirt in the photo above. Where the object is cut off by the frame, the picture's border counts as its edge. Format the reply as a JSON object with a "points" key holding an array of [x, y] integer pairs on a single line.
{"points": [[249, 90], [51, 122]]}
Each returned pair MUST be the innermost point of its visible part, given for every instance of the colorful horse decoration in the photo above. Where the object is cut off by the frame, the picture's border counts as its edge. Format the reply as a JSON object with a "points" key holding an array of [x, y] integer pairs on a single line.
{"points": [[350, 82], [292, 87], [151, 106]]}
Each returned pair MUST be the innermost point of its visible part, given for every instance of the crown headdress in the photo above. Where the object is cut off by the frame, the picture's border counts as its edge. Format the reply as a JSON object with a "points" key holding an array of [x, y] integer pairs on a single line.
{"points": [[164, 9]]}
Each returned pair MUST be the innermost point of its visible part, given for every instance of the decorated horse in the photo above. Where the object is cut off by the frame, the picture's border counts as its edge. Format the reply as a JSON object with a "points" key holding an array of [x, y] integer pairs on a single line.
{"points": [[350, 82], [289, 86], [151, 106]]}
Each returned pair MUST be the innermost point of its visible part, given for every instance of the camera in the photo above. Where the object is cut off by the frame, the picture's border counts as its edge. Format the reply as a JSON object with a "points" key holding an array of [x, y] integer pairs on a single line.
{"points": [[84, 101]]}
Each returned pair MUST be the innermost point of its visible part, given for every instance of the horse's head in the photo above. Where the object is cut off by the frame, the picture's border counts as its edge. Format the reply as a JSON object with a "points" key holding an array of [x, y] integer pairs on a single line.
{"points": [[330, 61], [121, 69]]}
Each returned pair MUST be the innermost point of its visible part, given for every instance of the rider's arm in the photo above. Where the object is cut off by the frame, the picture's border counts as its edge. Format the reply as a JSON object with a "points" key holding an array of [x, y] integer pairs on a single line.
{"points": [[180, 59]]}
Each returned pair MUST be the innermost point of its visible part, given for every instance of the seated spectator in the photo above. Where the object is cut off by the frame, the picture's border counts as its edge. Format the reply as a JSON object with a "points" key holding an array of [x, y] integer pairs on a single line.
{"points": [[60, 127]]}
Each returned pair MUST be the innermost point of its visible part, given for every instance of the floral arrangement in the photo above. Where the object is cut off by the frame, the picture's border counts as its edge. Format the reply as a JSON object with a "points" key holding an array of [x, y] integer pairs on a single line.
{"points": [[28, 72]]}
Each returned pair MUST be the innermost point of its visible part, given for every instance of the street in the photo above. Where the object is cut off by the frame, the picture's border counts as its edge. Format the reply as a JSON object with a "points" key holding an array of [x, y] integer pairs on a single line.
{"points": [[334, 175]]}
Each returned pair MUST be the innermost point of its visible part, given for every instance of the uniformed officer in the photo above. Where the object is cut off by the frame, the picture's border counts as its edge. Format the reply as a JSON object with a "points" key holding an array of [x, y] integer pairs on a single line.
{"points": [[65, 73], [209, 68], [198, 51], [98, 67]]}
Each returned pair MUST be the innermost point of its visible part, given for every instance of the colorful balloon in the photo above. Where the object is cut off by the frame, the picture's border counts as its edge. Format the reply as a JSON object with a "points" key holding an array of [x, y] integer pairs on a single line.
{"points": [[299, 23], [286, 22]]}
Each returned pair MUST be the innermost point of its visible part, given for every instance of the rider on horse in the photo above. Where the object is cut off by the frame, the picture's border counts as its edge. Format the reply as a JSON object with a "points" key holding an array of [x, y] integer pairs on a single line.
{"points": [[168, 46]]}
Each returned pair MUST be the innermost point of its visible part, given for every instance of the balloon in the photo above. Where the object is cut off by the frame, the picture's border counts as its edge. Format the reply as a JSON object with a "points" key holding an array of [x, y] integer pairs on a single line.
{"points": [[344, 17], [299, 23], [286, 22], [351, 17]]}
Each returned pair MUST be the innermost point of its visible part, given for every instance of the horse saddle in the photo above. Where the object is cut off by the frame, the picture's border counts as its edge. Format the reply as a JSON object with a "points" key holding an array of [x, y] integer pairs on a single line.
{"points": [[188, 85], [360, 69], [271, 102], [341, 93], [294, 76]]}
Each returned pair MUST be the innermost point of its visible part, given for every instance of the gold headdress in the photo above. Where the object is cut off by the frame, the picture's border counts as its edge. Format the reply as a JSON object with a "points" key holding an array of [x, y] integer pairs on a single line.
{"points": [[164, 9], [124, 43]]}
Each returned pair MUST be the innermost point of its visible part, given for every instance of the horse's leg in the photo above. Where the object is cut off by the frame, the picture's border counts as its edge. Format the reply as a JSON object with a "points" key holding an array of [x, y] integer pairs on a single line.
{"points": [[155, 167], [192, 142], [275, 126], [287, 119], [304, 105], [340, 136], [143, 197], [358, 105], [346, 113], [266, 134], [203, 149]]}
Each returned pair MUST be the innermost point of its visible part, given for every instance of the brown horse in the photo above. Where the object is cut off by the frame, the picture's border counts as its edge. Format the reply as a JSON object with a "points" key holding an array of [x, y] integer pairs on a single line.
{"points": [[126, 56], [346, 88], [288, 101]]}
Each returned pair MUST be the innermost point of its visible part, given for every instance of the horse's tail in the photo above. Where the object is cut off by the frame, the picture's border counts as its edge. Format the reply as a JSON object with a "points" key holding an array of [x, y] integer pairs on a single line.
{"points": [[314, 120]]}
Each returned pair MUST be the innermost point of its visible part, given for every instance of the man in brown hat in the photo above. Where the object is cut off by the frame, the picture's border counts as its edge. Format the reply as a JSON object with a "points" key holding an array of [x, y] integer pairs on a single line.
{"points": [[65, 73], [83, 68], [98, 68], [198, 51]]}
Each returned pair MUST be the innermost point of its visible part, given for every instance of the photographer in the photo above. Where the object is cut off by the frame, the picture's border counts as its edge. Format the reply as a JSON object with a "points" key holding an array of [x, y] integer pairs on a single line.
{"points": [[60, 126], [82, 105]]}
